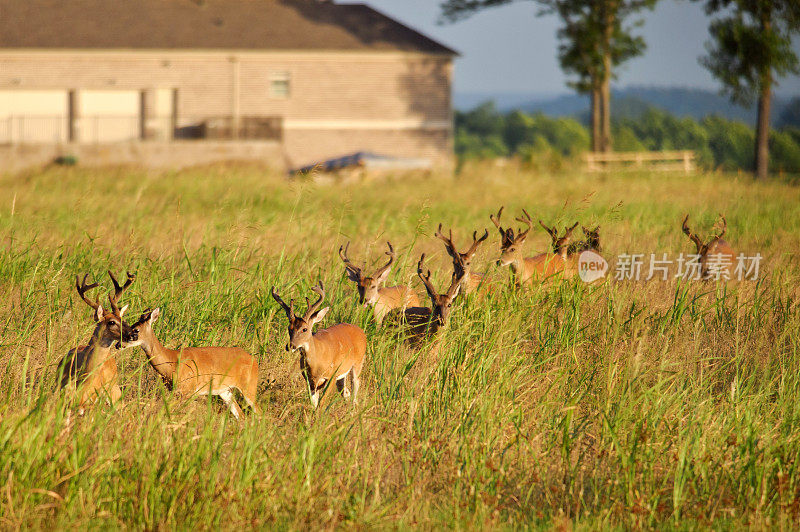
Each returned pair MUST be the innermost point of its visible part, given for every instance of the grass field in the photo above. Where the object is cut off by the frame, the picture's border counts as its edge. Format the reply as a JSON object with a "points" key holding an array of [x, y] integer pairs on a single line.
{"points": [[624, 404]]}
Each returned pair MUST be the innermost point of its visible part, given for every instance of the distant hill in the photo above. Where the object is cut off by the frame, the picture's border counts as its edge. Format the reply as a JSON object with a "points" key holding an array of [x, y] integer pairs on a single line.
{"points": [[630, 101]]}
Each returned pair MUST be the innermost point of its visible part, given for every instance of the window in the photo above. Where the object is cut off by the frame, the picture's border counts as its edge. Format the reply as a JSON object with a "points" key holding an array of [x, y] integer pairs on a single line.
{"points": [[279, 85]]}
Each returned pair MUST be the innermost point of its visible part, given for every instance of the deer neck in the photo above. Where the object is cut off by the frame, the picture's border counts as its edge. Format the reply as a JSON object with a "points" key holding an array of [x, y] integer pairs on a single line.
{"points": [[100, 348], [163, 360], [516, 265], [310, 352]]}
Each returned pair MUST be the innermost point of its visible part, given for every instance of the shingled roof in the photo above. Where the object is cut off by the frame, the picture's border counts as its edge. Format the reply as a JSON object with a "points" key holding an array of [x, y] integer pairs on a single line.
{"points": [[206, 25]]}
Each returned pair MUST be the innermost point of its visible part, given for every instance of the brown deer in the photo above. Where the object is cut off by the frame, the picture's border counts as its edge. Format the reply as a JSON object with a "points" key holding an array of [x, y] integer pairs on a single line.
{"points": [[528, 269], [561, 247], [336, 353], [423, 323], [591, 242], [92, 368], [596, 266], [462, 262], [198, 371], [382, 299], [716, 254]]}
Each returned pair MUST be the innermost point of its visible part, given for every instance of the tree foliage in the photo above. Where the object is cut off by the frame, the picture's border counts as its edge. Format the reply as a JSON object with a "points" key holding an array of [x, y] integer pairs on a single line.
{"points": [[484, 133], [751, 39]]}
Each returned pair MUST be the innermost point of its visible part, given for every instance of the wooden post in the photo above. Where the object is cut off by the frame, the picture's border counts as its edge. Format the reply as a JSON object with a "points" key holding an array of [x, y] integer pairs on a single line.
{"points": [[174, 118], [73, 115]]}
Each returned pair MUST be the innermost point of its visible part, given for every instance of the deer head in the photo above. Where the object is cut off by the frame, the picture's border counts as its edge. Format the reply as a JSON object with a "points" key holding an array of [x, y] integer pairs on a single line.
{"points": [[560, 244], [511, 244], [462, 262], [592, 238], [441, 304], [300, 328], [367, 286], [109, 326], [715, 245]]}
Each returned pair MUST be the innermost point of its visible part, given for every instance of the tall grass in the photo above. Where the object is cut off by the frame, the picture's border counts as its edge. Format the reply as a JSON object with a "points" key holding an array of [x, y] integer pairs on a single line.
{"points": [[625, 404]]}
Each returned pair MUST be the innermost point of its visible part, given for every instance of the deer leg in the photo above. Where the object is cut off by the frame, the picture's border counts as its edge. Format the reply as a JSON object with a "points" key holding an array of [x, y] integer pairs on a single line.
{"points": [[251, 402], [355, 383], [227, 397], [341, 385]]}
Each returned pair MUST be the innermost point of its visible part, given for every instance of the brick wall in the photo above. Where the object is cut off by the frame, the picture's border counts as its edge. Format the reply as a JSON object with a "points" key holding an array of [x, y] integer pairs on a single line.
{"points": [[389, 103]]}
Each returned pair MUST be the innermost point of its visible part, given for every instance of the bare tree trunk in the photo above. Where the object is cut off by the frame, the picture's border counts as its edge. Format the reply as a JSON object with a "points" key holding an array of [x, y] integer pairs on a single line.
{"points": [[762, 118], [762, 131], [610, 10], [595, 110], [605, 111]]}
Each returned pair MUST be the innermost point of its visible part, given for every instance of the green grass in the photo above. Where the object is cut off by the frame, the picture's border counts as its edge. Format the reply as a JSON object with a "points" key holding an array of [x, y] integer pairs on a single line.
{"points": [[620, 405]]}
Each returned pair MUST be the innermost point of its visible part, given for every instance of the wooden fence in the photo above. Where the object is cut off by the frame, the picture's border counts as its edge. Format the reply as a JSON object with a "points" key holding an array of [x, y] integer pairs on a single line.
{"points": [[670, 161]]}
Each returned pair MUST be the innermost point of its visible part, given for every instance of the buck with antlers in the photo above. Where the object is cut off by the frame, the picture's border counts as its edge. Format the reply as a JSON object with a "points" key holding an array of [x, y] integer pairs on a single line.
{"points": [[591, 242], [197, 371], [422, 323], [561, 247], [92, 368], [462, 262], [716, 257], [382, 299], [336, 353], [528, 269]]}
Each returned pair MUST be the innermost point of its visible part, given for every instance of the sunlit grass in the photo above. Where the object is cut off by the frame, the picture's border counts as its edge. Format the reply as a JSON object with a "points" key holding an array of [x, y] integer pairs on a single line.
{"points": [[622, 404]]}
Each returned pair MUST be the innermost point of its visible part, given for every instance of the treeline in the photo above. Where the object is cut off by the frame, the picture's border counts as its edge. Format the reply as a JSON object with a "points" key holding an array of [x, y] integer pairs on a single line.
{"points": [[484, 132]]}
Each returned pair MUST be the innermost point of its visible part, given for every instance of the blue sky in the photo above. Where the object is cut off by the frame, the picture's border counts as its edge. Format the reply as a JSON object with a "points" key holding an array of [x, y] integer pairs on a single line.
{"points": [[508, 49]]}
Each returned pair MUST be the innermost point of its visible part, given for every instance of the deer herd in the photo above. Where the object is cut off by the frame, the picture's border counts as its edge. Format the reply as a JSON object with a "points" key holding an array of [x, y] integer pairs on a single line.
{"points": [[335, 354]]}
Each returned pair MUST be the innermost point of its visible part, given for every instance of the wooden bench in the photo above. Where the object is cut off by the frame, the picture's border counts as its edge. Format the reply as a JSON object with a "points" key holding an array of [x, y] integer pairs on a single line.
{"points": [[670, 161]]}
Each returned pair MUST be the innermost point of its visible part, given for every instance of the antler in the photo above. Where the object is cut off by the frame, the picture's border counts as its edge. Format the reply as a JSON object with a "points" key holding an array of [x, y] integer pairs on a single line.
{"points": [[693, 237], [347, 264], [569, 230], [448, 241], [550, 230], [724, 226], [83, 288], [476, 241], [320, 291], [289, 309], [527, 220], [118, 290], [426, 278], [391, 255], [496, 221]]}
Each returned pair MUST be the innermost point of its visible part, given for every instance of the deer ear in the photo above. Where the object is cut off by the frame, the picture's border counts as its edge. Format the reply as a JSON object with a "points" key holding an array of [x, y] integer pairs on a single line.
{"points": [[352, 275], [122, 310], [99, 313], [154, 315], [318, 315], [383, 276]]}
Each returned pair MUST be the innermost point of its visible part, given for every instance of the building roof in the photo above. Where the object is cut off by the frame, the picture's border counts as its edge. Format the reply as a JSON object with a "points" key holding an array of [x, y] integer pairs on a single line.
{"points": [[206, 25]]}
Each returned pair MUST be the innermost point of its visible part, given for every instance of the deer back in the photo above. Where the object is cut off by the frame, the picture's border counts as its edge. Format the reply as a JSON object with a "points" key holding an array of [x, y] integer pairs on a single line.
{"points": [[336, 350], [204, 368]]}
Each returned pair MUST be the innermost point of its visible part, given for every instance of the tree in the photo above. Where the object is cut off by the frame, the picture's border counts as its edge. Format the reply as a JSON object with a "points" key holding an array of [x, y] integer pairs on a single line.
{"points": [[750, 49], [594, 41]]}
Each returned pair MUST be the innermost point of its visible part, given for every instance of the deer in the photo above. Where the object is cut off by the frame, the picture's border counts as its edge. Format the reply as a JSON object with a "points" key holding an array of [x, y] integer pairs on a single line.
{"points": [[561, 247], [336, 353], [462, 262], [591, 243], [715, 254], [422, 323], [92, 368], [382, 299], [197, 371], [528, 269]]}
